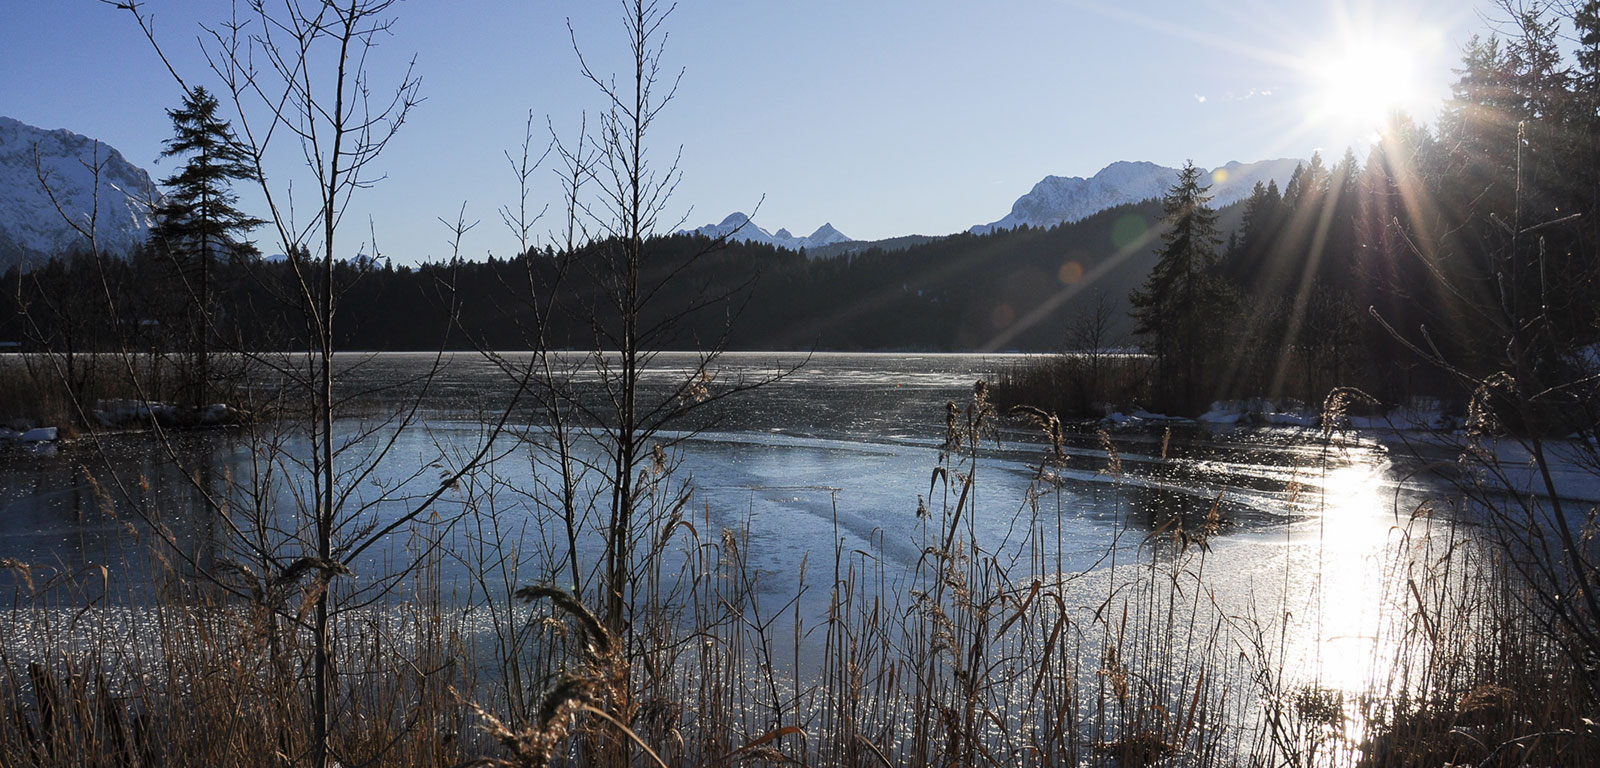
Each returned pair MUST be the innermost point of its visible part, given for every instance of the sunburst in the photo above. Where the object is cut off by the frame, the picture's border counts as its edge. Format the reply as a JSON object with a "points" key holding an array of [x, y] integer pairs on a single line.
{"points": [[1362, 83]]}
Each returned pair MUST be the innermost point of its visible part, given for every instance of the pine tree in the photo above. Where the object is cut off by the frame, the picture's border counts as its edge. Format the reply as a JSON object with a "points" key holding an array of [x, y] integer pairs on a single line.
{"points": [[1245, 263], [1586, 81], [198, 221], [1586, 84], [1182, 300]]}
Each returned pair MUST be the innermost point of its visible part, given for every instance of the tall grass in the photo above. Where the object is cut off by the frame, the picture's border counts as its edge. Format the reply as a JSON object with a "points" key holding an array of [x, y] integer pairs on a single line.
{"points": [[46, 389], [987, 652], [179, 677], [32, 394], [1077, 385]]}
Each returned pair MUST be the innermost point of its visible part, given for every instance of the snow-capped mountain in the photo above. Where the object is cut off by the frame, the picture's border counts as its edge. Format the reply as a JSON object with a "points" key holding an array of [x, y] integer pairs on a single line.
{"points": [[738, 226], [119, 201], [1058, 199]]}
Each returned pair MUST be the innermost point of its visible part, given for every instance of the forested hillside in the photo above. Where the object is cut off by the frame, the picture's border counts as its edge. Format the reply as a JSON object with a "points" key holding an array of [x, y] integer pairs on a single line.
{"points": [[1014, 289]]}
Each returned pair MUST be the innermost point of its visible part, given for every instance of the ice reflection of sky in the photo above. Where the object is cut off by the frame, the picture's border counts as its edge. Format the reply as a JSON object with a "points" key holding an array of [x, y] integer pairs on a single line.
{"points": [[835, 458]]}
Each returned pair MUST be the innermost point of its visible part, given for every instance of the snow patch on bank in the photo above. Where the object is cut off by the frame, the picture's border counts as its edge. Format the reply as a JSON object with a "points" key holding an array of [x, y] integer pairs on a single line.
{"points": [[1420, 415], [1223, 413], [128, 413]]}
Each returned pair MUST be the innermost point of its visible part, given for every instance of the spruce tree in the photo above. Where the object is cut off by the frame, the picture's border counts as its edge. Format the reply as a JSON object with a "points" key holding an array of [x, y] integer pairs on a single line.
{"points": [[1245, 262], [199, 222], [1182, 300]]}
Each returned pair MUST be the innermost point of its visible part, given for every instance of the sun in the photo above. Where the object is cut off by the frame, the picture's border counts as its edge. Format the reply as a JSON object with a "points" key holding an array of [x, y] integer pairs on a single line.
{"points": [[1362, 83]]}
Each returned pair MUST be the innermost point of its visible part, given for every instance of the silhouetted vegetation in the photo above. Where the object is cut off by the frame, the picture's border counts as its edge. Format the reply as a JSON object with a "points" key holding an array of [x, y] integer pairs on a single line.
{"points": [[1016, 289]]}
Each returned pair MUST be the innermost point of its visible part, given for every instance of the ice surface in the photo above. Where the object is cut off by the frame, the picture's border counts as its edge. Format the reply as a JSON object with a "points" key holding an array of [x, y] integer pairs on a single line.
{"points": [[39, 435], [830, 465]]}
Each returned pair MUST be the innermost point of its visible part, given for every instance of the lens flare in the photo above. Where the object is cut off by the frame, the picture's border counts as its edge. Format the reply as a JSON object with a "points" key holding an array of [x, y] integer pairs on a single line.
{"points": [[1128, 231], [1002, 316]]}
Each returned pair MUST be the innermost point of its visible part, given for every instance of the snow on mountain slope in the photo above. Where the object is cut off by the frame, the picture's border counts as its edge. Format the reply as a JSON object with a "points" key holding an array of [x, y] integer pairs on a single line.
{"points": [[826, 235], [737, 226], [118, 203], [1058, 199]]}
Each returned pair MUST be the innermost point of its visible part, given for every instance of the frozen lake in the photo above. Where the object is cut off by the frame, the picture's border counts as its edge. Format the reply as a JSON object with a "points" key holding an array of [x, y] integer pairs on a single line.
{"points": [[828, 464]]}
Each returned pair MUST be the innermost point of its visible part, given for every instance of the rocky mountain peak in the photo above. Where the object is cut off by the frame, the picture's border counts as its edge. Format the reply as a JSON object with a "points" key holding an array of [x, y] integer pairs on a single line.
{"points": [[92, 183]]}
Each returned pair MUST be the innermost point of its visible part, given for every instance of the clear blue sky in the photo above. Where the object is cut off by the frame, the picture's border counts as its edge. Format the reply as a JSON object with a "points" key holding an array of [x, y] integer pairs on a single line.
{"points": [[885, 118]]}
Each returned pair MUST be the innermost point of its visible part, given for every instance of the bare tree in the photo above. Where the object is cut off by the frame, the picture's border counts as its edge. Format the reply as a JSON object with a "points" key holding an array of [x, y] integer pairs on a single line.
{"points": [[612, 418], [608, 232], [295, 74], [1089, 340]]}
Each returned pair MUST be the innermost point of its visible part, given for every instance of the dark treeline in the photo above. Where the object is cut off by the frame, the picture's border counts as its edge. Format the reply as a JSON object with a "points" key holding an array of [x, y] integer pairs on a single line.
{"points": [[1009, 290]]}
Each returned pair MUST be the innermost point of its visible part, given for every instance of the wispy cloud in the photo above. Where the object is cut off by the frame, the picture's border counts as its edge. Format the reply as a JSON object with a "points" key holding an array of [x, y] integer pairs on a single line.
{"points": [[1231, 96], [1250, 94]]}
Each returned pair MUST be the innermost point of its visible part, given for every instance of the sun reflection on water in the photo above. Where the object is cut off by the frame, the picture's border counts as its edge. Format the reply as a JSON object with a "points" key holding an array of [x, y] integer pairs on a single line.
{"points": [[1349, 551]]}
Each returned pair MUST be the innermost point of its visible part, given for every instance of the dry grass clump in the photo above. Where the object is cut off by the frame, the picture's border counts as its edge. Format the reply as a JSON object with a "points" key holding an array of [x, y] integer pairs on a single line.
{"points": [[1075, 386], [52, 389], [29, 397], [1479, 676], [178, 678], [1139, 749], [1489, 710], [593, 685]]}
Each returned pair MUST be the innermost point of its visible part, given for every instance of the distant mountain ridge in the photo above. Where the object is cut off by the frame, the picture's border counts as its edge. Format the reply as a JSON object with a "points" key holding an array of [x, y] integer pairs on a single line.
{"points": [[120, 199], [31, 227], [1054, 200], [1058, 199], [737, 226]]}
